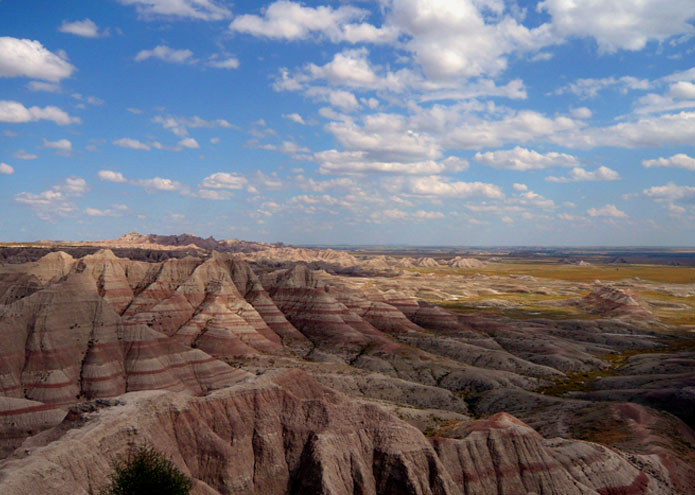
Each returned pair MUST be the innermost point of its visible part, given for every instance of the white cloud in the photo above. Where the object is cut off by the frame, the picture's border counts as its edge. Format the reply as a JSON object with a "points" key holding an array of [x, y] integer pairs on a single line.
{"points": [[292, 21], [385, 137], [57, 201], [617, 24], [23, 155], [522, 126], [671, 192], [680, 160], [606, 211], [111, 176], [394, 213], [437, 186], [74, 186], [430, 215], [6, 169], [116, 211], [189, 143], [212, 194], [226, 63], [682, 89], [267, 181], [661, 130], [92, 100], [294, 117], [179, 125], [166, 54], [590, 88], [455, 39], [206, 10], [159, 183], [520, 187], [48, 87], [581, 113], [85, 28], [60, 145], [223, 180], [27, 58], [132, 144], [15, 113], [530, 198], [357, 162], [578, 174], [523, 159], [344, 100]]}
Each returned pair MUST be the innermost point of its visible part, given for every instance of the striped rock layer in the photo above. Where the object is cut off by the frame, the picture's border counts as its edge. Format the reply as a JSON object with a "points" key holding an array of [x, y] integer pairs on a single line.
{"points": [[99, 327], [283, 433]]}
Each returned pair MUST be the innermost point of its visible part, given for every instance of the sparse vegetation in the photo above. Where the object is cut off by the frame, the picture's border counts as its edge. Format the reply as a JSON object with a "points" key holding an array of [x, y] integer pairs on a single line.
{"points": [[576, 273], [145, 471]]}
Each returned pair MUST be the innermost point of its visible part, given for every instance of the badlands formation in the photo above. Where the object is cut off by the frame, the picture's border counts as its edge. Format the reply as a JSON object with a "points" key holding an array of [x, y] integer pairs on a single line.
{"points": [[267, 369]]}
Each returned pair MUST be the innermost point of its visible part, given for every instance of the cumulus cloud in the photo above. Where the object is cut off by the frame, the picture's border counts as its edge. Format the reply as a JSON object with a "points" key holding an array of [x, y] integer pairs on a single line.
{"points": [[166, 54], [522, 126], [438, 186], [358, 162], [524, 159], [114, 211], [224, 180], [205, 10], [153, 184], [179, 125], [111, 176], [60, 145], [660, 130], [456, 39], [292, 21], [616, 24], [385, 137], [189, 143], [85, 28], [223, 63], [15, 113], [671, 192], [57, 201], [430, 215], [132, 144], [6, 169], [578, 174], [680, 160], [607, 211], [590, 88], [581, 113], [29, 58], [159, 183], [295, 117]]}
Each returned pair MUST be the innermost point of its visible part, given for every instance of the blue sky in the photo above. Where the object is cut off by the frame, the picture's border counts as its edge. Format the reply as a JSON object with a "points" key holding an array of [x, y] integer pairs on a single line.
{"points": [[468, 122]]}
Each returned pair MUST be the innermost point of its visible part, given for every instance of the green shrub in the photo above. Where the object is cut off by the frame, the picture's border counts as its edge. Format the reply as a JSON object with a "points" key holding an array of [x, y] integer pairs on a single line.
{"points": [[144, 471]]}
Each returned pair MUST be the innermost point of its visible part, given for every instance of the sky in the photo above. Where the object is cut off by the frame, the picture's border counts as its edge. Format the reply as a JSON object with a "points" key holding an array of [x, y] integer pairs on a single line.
{"points": [[422, 122]]}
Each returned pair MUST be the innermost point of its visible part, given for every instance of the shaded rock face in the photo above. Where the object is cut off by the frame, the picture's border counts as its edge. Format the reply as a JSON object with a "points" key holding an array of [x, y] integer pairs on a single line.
{"points": [[282, 433]]}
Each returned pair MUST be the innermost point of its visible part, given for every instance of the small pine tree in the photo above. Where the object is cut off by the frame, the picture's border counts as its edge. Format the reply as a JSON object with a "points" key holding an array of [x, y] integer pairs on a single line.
{"points": [[144, 471]]}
